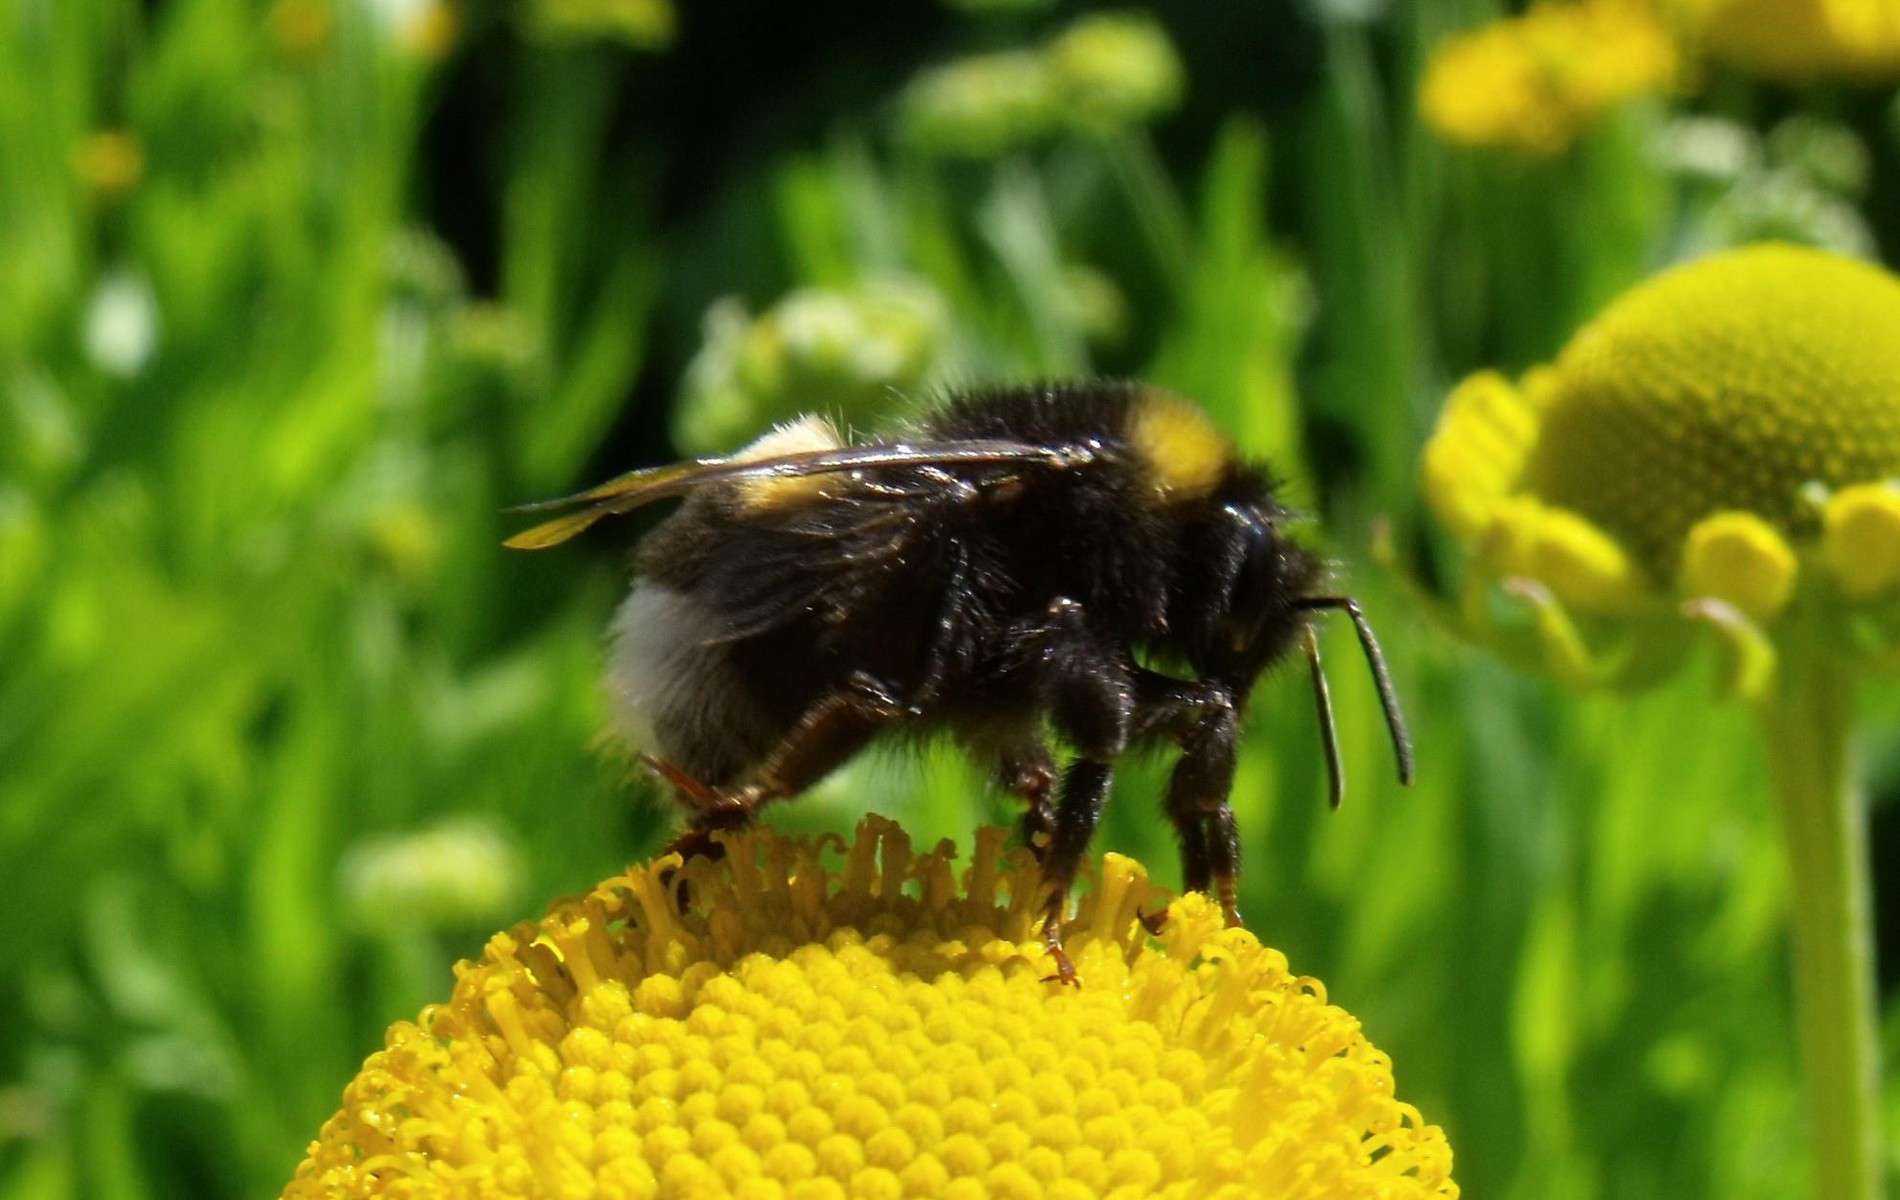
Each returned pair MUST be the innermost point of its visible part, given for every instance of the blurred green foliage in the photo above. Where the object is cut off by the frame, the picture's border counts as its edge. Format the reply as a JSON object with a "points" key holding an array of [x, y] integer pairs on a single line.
{"points": [[294, 297]]}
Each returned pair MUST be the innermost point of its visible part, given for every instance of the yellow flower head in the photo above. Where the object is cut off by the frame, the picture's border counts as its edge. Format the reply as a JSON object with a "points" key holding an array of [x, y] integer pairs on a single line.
{"points": [[1708, 436], [1534, 82], [876, 1028], [1801, 40]]}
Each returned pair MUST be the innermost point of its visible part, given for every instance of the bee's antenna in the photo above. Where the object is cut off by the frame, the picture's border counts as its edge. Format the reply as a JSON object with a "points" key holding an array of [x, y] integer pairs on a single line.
{"points": [[1328, 732], [1381, 678]]}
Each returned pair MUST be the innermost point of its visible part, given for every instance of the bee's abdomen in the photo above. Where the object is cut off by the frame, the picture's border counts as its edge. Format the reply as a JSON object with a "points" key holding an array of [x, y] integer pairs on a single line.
{"points": [[674, 691]]}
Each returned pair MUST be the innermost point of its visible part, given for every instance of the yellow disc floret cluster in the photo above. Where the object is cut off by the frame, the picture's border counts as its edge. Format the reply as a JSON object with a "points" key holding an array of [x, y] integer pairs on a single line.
{"points": [[879, 1028], [1727, 384], [1535, 81], [1726, 432]]}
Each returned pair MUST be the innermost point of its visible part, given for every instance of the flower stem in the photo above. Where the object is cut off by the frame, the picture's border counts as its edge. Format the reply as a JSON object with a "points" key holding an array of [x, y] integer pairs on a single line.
{"points": [[1808, 720]]}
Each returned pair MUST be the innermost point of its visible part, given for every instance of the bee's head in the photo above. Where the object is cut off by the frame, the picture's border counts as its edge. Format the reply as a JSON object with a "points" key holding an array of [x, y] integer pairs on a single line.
{"points": [[1236, 602], [1243, 595]]}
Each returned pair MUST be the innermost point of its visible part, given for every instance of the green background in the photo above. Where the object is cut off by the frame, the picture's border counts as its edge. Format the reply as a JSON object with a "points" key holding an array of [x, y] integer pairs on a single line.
{"points": [[284, 731]]}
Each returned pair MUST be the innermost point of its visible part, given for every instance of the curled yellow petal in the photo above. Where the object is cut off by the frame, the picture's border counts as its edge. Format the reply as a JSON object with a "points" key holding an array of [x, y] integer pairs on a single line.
{"points": [[865, 1024], [1582, 565], [1740, 558], [1860, 539], [1477, 452]]}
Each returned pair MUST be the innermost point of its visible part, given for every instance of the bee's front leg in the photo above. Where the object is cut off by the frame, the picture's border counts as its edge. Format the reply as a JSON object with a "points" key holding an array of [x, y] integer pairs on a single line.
{"points": [[1203, 720]]}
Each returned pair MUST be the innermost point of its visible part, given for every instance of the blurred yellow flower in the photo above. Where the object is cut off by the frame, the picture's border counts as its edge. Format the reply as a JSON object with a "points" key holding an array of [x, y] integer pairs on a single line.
{"points": [[1800, 40], [874, 1029], [1534, 82], [109, 162], [1721, 432]]}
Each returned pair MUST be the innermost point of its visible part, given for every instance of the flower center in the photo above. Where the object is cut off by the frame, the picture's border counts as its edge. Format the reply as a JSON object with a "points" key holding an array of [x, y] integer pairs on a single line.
{"points": [[1728, 384]]}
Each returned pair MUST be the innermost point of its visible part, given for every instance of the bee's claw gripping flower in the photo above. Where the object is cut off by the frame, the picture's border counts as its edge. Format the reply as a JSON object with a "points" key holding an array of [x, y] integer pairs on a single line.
{"points": [[1674, 452], [874, 1028]]}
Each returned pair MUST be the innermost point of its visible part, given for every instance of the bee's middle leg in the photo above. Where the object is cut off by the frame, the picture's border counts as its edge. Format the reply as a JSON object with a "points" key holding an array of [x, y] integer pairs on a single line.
{"points": [[1088, 689]]}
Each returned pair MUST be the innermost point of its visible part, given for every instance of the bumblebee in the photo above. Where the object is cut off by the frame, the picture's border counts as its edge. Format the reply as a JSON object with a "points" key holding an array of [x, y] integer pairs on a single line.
{"points": [[1003, 570]]}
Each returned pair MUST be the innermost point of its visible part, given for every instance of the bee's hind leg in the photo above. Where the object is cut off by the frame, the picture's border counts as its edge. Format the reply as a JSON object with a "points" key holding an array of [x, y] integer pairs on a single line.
{"points": [[831, 731]]}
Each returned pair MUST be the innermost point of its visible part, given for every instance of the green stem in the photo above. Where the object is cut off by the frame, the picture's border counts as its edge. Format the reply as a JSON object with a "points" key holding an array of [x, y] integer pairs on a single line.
{"points": [[1809, 721], [1159, 213]]}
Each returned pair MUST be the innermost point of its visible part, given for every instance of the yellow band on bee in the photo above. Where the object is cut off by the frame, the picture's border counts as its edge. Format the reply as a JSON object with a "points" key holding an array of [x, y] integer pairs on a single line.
{"points": [[1185, 454], [810, 432]]}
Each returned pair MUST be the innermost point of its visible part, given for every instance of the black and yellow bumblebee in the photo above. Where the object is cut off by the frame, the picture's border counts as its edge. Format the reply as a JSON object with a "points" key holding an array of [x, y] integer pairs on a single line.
{"points": [[1001, 570]]}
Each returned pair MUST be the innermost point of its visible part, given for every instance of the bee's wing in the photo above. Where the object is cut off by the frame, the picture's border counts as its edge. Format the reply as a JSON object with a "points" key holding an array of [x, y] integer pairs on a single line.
{"points": [[627, 492]]}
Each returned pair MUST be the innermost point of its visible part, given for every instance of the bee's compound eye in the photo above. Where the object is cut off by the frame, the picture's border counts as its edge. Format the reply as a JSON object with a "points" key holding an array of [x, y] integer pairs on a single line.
{"points": [[1256, 577]]}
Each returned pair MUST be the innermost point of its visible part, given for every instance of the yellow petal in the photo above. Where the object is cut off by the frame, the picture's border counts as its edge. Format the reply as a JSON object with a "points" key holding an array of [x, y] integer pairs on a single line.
{"points": [[1582, 565], [1740, 558], [1860, 539], [1477, 452]]}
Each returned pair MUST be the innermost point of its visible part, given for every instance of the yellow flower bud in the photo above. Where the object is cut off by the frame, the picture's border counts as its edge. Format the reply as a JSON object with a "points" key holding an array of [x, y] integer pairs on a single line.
{"points": [[980, 106], [1113, 69], [1740, 558], [1860, 539]]}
